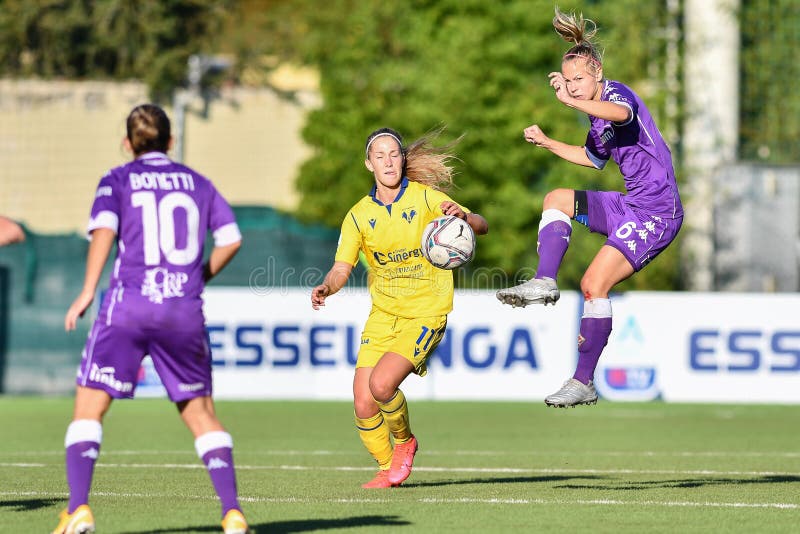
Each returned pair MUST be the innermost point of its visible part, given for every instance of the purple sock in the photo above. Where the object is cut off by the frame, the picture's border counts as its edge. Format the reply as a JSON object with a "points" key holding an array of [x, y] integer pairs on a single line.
{"points": [[554, 232], [82, 449], [593, 338], [216, 451]]}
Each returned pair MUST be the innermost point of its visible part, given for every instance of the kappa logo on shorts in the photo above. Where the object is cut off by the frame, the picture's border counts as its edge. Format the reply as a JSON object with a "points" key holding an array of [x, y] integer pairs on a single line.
{"points": [[631, 245]]}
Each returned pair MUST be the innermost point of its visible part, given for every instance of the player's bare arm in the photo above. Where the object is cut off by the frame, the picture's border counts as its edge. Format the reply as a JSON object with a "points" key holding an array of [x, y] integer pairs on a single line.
{"points": [[10, 232], [99, 249], [334, 281], [604, 110], [220, 257], [574, 154], [476, 222]]}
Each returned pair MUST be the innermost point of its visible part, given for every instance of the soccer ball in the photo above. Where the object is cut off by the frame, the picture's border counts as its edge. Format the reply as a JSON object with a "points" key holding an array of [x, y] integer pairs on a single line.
{"points": [[448, 242]]}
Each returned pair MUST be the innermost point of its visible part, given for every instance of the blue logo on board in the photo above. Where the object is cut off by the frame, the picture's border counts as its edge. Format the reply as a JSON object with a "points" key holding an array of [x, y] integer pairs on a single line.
{"points": [[627, 370]]}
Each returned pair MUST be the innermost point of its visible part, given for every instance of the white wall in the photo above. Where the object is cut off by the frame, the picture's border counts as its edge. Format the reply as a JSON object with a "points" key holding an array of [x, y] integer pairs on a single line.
{"points": [[684, 347]]}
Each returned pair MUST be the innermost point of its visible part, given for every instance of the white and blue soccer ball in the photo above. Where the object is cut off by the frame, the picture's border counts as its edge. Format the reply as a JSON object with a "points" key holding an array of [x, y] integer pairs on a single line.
{"points": [[448, 242]]}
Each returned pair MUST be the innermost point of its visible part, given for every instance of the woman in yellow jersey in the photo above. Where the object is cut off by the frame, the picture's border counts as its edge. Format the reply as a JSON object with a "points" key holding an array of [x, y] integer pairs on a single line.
{"points": [[410, 297]]}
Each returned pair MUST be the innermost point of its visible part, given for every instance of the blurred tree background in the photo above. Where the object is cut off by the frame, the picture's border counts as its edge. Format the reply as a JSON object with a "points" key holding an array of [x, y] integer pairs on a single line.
{"points": [[477, 68], [480, 69], [770, 102], [109, 39]]}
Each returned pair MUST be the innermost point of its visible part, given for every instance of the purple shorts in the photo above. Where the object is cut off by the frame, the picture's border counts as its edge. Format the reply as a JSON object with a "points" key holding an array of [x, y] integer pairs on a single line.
{"points": [[113, 355], [639, 235]]}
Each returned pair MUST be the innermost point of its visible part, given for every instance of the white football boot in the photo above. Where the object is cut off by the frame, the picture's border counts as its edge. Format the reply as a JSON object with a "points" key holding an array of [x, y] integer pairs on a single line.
{"points": [[535, 291], [573, 393]]}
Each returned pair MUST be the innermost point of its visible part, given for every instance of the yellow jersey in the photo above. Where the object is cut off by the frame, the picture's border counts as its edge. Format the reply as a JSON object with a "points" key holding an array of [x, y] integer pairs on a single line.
{"points": [[404, 283]]}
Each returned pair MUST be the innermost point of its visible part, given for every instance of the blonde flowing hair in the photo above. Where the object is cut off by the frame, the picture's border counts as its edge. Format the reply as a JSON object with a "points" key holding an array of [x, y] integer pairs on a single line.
{"points": [[575, 29], [423, 161]]}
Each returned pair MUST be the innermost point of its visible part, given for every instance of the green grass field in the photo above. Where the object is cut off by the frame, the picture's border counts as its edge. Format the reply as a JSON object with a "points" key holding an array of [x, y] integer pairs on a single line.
{"points": [[481, 467]]}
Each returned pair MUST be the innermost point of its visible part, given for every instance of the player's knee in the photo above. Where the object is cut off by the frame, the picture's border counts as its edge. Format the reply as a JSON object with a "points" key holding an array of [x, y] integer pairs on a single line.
{"points": [[364, 406], [591, 287], [382, 390], [559, 199]]}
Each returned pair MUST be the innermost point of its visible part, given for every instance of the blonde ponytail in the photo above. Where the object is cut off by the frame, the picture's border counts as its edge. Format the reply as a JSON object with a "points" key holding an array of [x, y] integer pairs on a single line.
{"points": [[431, 165], [575, 29]]}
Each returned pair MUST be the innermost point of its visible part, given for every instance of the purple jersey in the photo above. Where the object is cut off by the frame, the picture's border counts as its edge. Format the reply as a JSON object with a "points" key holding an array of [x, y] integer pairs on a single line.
{"points": [[161, 212], [643, 156]]}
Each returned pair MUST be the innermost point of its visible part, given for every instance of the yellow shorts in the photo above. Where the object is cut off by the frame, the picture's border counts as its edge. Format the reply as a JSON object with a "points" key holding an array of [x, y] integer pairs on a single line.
{"points": [[413, 339]]}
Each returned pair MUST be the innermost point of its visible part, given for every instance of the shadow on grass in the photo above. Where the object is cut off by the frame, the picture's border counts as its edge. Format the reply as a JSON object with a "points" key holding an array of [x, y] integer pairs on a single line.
{"points": [[26, 505], [300, 525], [686, 483], [497, 480]]}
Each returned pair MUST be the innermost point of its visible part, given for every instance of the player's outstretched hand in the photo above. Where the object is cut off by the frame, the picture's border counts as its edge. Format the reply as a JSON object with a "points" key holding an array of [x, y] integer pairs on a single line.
{"points": [[534, 135], [451, 208], [318, 295], [78, 308]]}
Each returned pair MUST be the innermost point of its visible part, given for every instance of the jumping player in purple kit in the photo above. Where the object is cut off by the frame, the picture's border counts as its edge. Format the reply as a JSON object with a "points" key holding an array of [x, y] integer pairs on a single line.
{"points": [[159, 213], [639, 224]]}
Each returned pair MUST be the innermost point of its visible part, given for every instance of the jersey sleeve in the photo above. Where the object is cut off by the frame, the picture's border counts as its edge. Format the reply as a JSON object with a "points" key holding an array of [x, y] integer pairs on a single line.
{"points": [[434, 199], [595, 150], [349, 240], [106, 206], [222, 221], [619, 94]]}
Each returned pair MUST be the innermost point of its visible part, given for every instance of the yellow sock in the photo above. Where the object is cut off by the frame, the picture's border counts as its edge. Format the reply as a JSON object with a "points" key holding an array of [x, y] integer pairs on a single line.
{"points": [[374, 433], [395, 413]]}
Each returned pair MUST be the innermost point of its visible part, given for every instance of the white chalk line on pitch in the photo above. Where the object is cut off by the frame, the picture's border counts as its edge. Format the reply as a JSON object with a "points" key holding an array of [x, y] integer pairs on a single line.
{"points": [[646, 454], [423, 469], [545, 502]]}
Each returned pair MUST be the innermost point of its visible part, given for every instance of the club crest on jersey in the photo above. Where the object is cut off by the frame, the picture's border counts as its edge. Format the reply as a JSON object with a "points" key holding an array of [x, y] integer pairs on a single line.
{"points": [[160, 284], [372, 222], [408, 214]]}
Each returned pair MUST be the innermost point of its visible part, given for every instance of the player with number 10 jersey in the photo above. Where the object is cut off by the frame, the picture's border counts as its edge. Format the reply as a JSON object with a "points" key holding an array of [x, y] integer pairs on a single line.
{"points": [[158, 212], [161, 211]]}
